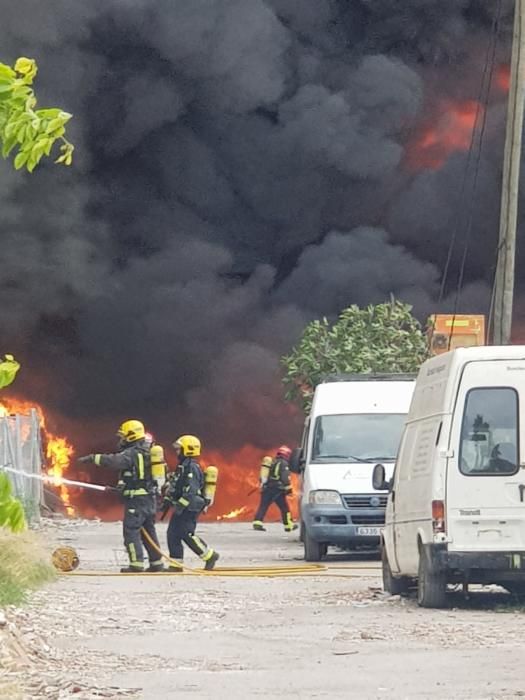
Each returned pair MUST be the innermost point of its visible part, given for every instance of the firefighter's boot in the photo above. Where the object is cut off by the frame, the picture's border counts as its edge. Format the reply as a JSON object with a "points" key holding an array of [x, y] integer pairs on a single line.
{"points": [[175, 566], [291, 528], [155, 567], [257, 525], [210, 562], [133, 569]]}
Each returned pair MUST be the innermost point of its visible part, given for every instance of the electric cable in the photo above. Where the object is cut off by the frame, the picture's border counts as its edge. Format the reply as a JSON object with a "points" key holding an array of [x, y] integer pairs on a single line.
{"points": [[484, 96]]}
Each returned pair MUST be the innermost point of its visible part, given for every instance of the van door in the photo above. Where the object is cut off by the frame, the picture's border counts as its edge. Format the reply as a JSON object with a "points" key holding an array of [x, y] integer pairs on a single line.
{"points": [[485, 486]]}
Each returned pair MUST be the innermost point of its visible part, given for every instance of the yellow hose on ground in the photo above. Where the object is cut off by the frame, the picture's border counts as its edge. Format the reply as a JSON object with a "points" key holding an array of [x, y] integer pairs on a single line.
{"points": [[238, 571], [234, 572]]}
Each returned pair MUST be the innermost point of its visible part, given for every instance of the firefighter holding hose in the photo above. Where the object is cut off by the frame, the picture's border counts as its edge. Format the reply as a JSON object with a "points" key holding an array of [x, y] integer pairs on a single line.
{"points": [[275, 487], [186, 494], [142, 470]]}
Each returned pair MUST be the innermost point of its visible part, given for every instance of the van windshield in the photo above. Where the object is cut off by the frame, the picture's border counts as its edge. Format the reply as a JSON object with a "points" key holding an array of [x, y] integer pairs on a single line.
{"points": [[365, 437]]}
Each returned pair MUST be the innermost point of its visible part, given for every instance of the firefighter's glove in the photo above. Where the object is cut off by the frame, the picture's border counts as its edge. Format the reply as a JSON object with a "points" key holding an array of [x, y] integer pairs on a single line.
{"points": [[86, 459]]}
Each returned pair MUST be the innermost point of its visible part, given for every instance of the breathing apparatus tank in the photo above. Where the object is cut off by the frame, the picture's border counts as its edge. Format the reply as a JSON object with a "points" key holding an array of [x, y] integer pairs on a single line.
{"points": [[158, 465], [266, 465], [211, 474]]}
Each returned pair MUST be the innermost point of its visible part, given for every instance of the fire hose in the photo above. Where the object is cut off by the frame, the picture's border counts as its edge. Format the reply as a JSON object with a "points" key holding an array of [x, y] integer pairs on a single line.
{"points": [[67, 561]]}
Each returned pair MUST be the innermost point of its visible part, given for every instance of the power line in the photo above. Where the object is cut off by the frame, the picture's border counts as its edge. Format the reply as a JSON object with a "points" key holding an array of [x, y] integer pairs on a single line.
{"points": [[485, 88]]}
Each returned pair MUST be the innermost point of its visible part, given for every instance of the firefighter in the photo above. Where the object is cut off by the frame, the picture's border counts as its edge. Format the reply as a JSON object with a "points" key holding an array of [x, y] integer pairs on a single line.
{"points": [[138, 487], [186, 495], [275, 487]]}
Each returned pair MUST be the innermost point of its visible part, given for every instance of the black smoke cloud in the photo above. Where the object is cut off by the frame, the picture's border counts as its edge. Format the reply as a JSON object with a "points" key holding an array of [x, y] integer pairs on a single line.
{"points": [[240, 169]]}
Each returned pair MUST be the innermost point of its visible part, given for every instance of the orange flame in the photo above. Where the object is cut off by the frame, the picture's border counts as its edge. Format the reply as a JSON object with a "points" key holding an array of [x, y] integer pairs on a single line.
{"points": [[450, 132], [233, 514], [238, 492], [58, 449]]}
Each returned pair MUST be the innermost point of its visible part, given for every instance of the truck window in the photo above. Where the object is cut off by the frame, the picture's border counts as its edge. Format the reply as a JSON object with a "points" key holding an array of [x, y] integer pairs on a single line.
{"points": [[363, 437], [489, 432]]}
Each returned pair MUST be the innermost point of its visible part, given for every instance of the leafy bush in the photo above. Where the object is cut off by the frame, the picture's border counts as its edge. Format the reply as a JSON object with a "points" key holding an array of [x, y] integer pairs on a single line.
{"points": [[11, 510], [381, 338], [24, 129]]}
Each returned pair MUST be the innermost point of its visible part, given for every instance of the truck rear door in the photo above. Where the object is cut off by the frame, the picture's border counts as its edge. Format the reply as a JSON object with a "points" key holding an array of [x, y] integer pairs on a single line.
{"points": [[485, 485]]}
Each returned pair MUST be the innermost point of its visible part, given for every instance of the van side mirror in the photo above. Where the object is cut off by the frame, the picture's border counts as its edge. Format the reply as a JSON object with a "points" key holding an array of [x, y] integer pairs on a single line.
{"points": [[297, 461], [379, 480]]}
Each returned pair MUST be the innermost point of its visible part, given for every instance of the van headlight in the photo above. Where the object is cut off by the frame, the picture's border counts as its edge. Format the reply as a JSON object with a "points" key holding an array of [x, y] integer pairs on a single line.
{"points": [[324, 498]]}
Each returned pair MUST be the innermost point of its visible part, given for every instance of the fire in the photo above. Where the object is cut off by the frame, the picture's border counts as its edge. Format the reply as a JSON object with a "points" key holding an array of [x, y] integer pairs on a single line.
{"points": [[450, 132], [238, 492], [59, 453], [58, 449], [235, 513]]}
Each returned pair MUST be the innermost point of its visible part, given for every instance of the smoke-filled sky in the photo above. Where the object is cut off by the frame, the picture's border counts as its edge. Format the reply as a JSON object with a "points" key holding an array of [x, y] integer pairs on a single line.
{"points": [[242, 166]]}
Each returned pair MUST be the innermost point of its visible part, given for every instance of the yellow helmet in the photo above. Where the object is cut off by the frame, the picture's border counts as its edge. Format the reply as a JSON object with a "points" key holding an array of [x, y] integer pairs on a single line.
{"points": [[131, 431], [189, 445]]}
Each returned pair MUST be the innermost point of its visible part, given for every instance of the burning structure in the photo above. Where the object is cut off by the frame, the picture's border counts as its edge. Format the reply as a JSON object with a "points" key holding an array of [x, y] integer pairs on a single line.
{"points": [[243, 166]]}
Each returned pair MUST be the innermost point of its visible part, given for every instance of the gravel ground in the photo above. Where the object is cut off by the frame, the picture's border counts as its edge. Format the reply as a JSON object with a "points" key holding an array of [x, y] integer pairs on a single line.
{"points": [[334, 635]]}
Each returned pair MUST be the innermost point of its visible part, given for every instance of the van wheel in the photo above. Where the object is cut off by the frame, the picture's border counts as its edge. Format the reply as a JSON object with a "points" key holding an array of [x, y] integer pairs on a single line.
{"points": [[431, 585], [392, 585], [313, 551], [301, 532]]}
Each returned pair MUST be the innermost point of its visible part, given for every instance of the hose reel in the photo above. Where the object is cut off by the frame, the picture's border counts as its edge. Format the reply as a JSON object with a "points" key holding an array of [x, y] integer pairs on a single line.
{"points": [[65, 559]]}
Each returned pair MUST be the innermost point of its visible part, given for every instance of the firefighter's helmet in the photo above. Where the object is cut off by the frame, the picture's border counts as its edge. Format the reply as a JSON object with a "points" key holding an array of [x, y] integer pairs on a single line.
{"points": [[284, 451], [189, 445], [131, 431]]}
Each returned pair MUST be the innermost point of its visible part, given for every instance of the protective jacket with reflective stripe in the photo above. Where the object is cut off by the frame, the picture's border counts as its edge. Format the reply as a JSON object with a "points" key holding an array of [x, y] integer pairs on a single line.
{"points": [[134, 465], [187, 488], [279, 475]]}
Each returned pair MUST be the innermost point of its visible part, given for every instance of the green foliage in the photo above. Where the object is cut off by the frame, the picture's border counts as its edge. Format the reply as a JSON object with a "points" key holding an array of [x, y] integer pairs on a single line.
{"points": [[381, 338], [22, 566], [25, 131], [12, 514]]}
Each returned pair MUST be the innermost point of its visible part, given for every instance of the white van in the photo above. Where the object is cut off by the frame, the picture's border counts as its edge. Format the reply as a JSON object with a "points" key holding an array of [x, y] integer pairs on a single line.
{"points": [[355, 422], [456, 509]]}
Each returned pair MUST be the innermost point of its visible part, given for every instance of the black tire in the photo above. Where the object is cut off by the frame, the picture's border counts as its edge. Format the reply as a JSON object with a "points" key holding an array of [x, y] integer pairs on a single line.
{"points": [[301, 532], [313, 551], [392, 585], [431, 585]]}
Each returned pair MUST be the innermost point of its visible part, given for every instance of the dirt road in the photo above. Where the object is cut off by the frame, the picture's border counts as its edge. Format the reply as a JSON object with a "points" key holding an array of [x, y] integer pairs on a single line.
{"points": [[322, 637]]}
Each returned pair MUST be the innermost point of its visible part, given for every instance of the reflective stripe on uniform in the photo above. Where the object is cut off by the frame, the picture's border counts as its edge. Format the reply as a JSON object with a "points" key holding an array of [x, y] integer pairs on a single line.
{"points": [[208, 555], [97, 460], [140, 458], [135, 492], [183, 502], [132, 553]]}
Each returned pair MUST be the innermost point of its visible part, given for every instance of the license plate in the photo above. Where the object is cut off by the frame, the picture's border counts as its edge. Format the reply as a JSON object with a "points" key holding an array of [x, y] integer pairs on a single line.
{"points": [[369, 531]]}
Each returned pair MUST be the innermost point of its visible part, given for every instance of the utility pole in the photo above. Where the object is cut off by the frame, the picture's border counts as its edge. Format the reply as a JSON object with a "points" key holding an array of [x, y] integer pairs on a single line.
{"points": [[504, 283]]}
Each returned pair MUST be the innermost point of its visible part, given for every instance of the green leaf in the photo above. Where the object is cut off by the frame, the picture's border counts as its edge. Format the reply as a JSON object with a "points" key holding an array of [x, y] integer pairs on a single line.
{"points": [[7, 72], [9, 144], [21, 160]]}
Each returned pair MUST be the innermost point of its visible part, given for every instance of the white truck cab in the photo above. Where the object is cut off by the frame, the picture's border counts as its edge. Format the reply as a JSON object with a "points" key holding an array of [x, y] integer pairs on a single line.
{"points": [[355, 422], [456, 508]]}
